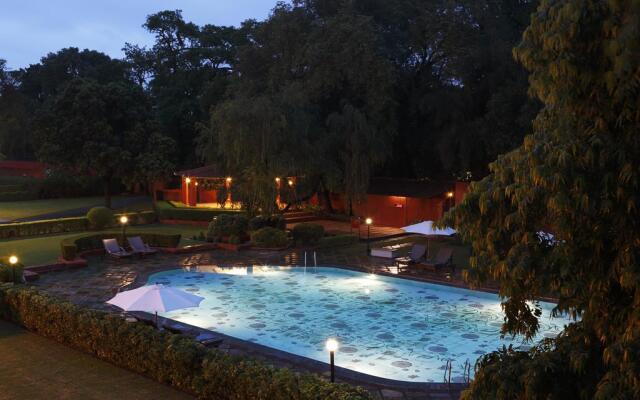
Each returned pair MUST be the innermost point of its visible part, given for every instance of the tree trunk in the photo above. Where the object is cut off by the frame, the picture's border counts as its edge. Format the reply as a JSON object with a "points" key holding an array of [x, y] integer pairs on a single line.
{"points": [[106, 182]]}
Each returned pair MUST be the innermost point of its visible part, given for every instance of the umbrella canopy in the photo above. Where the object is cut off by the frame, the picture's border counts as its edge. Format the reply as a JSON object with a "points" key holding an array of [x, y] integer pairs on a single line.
{"points": [[158, 298], [427, 228]]}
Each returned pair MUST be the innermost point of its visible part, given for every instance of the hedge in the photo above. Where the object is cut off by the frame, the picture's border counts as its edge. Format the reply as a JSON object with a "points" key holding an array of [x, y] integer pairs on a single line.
{"points": [[165, 357], [11, 273], [307, 233], [269, 237], [335, 241], [262, 221], [62, 225], [226, 225], [70, 247], [166, 210]]}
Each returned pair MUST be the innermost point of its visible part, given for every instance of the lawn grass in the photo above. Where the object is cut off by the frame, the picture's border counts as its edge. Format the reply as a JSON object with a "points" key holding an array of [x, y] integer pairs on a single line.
{"points": [[34, 367], [11, 210], [46, 249]]}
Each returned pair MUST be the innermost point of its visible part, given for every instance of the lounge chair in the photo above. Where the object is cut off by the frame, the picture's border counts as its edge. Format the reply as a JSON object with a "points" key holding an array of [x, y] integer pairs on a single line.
{"points": [[444, 258], [113, 249], [415, 256], [138, 246]]}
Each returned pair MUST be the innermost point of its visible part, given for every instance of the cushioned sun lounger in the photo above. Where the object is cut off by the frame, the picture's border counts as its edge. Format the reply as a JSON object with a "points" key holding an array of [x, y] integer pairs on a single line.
{"points": [[113, 249]]}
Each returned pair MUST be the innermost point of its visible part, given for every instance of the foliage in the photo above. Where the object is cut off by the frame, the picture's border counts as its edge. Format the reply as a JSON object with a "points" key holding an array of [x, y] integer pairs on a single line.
{"points": [[8, 272], [43, 227], [307, 233], [269, 237], [225, 225], [63, 225], [100, 217], [165, 357], [96, 127], [336, 241], [273, 220], [576, 176], [71, 247]]}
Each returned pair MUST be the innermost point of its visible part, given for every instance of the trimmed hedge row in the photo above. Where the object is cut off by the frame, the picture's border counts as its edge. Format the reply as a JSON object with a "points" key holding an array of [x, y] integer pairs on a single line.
{"points": [[11, 273], [167, 211], [162, 356], [269, 237], [307, 233], [335, 241], [62, 225], [70, 247]]}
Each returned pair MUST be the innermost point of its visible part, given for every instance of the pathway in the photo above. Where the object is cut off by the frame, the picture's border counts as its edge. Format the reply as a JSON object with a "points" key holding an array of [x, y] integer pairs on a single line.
{"points": [[37, 368]]}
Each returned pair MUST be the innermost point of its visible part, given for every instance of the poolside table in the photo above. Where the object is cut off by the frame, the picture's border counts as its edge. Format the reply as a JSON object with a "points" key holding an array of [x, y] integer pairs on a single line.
{"points": [[392, 251]]}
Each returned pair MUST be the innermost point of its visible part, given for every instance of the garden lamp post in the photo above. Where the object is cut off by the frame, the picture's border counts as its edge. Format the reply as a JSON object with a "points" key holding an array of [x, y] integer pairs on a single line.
{"points": [[368, 221], [13, 260], [123, 222], [332, 346]]}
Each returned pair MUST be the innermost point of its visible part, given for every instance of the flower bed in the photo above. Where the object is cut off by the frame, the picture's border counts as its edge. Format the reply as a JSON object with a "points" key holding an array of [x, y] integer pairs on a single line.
{"points": [[165, 357]]}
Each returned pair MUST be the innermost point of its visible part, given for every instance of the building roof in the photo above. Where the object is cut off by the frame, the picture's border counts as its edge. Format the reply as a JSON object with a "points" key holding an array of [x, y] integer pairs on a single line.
{"points": [[208, 171], [409, 187]]}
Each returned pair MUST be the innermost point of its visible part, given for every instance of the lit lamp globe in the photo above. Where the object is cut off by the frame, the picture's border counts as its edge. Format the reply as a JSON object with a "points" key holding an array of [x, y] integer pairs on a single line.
{"points": [[13, 260], [124, 219], [368, 221], [332, 345]]}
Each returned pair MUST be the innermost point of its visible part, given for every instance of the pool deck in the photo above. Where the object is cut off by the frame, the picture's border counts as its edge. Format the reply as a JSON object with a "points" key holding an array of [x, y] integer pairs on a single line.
{"points": [[104, 277]]}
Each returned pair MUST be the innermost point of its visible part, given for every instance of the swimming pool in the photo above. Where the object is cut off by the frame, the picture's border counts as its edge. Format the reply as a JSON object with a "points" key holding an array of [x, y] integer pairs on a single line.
{"points": [[387, 327]]}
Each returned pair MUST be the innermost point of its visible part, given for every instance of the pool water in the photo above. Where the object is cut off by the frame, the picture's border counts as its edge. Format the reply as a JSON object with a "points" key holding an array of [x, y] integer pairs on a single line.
{"points": [[388, 327]]}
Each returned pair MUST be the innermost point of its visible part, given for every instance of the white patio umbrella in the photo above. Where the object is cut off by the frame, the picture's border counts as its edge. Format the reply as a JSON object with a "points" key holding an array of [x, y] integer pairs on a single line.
{"points": [[155, 298], [426, 228]]}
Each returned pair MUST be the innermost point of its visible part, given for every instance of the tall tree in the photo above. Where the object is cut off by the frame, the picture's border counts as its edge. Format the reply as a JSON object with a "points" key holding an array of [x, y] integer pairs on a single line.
{"points": [[95, 128], [185, 72], [15, 135], [578, 176]]}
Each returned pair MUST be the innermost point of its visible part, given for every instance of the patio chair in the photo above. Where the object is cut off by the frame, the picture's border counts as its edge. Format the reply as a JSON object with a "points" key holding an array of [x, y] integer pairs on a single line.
{"points": [[415, 256], [113, 249], [140, 247], [444, 258]]}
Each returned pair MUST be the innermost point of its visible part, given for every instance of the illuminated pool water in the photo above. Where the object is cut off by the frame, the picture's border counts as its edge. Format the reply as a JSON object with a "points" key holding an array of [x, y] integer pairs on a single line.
{"points": [[388, 327]]}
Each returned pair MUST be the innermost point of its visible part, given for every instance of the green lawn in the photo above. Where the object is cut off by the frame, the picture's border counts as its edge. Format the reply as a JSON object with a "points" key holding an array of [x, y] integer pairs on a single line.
{"points": [[34, 367], [46, 249], [21, 209]]}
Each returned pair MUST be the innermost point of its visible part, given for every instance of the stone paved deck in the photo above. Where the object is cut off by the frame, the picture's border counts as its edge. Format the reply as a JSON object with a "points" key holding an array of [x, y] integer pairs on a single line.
{"points": [[104, 277]]}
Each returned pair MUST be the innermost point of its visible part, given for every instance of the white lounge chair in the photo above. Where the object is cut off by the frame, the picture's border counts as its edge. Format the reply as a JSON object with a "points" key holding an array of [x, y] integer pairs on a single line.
{"points": [[113, 249], [138, 246]]}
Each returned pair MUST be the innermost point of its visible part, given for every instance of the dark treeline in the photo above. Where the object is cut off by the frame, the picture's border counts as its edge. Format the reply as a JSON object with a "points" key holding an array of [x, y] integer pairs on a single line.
{"points": [[336, 91]]}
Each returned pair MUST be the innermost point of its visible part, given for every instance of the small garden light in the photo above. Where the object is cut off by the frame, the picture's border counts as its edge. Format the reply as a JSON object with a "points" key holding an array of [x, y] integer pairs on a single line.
{"points": [[368, 221], [449, 194], [332, 346], [13, 260], [123, 221]]}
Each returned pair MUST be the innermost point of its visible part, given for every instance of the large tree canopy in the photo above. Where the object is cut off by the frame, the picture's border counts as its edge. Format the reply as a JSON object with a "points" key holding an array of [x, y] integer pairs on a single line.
{"points": [[578, 176], [101, 129]]}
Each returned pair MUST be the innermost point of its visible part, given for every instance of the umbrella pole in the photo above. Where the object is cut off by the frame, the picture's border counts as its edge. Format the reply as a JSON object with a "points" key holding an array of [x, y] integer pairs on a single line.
{"points": [[157, 327]]}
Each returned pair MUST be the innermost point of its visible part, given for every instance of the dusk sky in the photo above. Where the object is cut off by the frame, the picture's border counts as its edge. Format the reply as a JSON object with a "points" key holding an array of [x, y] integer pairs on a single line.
{"points": [[29, 29]]}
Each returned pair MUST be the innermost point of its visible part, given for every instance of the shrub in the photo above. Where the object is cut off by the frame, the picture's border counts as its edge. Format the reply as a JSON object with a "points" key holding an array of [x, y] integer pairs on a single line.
{"points": [[275, 221], [226, 225], [338, 240], [70, 247], [269, 237], [43, 227], [307, 234], [100, 217], [8, 272], [234, 239], [163, 356]]}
